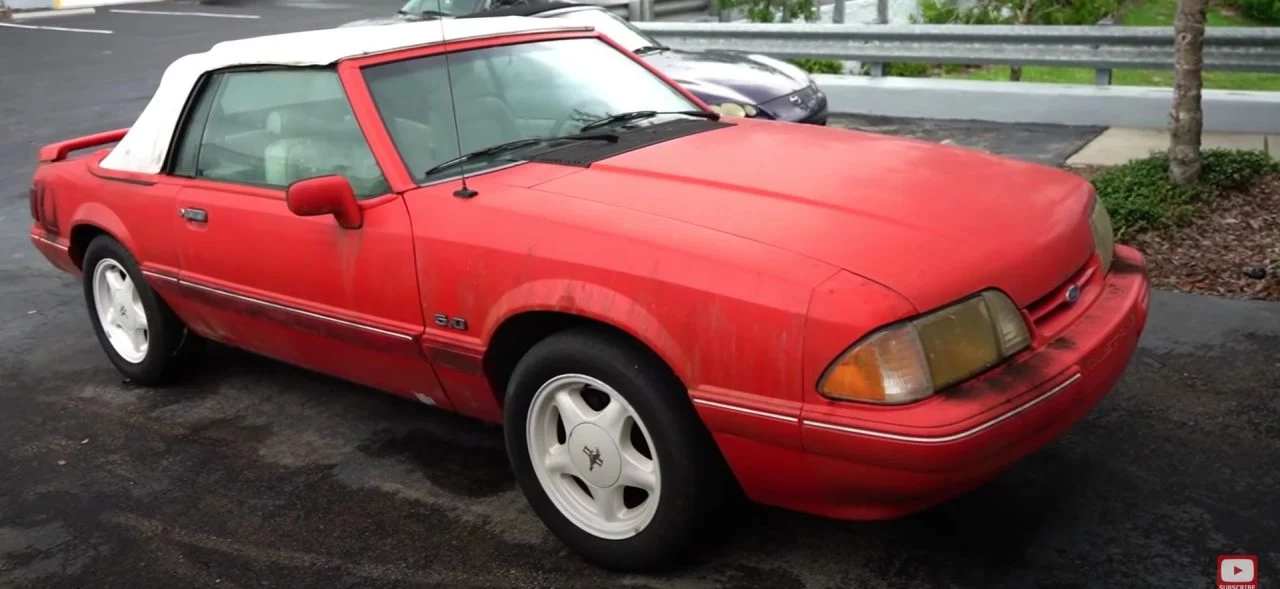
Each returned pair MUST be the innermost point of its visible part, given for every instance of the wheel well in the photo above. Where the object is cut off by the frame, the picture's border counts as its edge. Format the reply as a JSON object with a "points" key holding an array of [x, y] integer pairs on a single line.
{"points": [[81, 235], [518, 334]]}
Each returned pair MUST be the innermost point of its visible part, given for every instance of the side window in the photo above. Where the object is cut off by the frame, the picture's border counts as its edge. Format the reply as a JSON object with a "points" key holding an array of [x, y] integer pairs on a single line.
{"points": [[273, 128]]}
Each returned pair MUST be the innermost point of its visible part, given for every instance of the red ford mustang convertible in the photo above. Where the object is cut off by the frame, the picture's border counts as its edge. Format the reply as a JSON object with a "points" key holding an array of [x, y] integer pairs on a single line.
{"points": [[542, 231]]}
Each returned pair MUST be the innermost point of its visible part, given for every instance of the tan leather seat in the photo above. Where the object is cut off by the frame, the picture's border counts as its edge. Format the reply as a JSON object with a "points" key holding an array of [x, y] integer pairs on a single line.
{"points": [[308, 147]]}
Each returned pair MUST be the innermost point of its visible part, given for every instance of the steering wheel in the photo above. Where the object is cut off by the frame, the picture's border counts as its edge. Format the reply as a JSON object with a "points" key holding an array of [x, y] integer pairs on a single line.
{"points": [[577, 112]]}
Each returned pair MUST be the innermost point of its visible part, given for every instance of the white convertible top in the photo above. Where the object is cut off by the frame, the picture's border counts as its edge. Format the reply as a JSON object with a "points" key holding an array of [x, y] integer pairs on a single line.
{"points": [[143, 148]]}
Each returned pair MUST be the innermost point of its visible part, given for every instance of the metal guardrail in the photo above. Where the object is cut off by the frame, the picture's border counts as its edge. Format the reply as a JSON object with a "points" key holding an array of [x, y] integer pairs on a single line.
{"points": [[1100, 47], [648, 10]]}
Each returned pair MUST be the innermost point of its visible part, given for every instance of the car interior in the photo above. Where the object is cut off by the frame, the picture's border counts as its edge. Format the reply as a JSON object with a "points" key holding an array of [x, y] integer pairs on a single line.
{"points": [[497, 100], [275, 127], [292, 140]]}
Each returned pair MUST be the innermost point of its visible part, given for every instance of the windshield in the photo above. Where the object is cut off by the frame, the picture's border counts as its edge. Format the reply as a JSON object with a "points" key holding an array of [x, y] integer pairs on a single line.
{"points": [[612, 25], [455, 7], [525, 91]]}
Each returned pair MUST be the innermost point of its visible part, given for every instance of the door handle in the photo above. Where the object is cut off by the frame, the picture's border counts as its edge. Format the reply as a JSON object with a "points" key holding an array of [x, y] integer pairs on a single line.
{"points": [[194, 215]]}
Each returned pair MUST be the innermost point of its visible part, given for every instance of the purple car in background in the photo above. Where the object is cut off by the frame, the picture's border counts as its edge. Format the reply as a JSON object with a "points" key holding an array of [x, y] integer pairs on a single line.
{"points": [[741, 84]]}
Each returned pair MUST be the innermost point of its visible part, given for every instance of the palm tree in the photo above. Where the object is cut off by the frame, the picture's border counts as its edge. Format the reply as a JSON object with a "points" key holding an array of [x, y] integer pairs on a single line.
{"points": [[1186, 117]]}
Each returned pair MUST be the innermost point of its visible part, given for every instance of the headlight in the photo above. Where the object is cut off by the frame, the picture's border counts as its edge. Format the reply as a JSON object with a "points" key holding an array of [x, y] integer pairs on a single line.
{"points": [[733, 109], [911, 360], [1104, 236]]}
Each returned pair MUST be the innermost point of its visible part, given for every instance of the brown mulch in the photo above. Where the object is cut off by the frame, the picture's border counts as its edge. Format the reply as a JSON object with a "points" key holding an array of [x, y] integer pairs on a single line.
{"points": [[1216, 253]]}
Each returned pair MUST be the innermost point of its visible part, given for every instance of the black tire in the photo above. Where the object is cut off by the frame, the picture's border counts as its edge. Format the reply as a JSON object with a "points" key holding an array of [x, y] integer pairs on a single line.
{"points": [[171, 347], [695, 482]]}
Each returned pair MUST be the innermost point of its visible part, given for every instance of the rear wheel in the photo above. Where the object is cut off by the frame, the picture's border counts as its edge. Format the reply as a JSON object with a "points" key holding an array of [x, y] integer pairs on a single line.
{"points": [[140, 334], [610, 453]]}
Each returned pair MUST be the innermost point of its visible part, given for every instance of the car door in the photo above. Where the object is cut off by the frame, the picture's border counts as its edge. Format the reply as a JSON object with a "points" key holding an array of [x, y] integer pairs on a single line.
{"points": [[300, 289]]}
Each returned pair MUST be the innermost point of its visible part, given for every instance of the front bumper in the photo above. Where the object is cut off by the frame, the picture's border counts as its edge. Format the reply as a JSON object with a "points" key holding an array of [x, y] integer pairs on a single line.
{"points": [[850, 463]]}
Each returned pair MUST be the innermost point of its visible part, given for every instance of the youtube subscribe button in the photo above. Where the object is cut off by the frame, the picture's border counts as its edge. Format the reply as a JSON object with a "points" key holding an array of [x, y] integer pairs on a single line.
{"points": [[1238, 571]]}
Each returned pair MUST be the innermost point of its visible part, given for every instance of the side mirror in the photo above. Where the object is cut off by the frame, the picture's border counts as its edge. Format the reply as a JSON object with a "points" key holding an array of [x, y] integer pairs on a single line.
{"points": [[325, 195]]}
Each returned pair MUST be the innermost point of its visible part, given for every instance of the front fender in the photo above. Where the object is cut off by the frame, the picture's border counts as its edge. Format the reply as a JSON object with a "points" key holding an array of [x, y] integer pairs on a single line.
{"points": [[844, 309], [594, 302]]}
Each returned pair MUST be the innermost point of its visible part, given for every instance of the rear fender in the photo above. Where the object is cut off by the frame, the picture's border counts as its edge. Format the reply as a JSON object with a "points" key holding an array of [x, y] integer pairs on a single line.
{"points": [[99, 216]]}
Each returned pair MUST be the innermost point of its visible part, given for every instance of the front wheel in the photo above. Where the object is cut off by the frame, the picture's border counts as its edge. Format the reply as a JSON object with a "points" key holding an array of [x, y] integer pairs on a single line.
{"points": [[610, 453]]}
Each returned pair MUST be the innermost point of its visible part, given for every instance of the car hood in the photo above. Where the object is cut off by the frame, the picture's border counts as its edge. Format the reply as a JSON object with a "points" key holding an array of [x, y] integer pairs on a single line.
{"points": [[740, 77], [933, 222]]}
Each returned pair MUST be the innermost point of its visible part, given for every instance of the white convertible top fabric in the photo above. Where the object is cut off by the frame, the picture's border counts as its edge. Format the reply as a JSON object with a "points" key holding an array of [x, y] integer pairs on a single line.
{"points": [[144, 147]]}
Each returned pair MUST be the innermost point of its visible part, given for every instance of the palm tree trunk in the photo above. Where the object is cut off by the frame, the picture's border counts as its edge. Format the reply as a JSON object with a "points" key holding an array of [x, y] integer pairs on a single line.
{"points": [[1186, 117], [1023, 17]]}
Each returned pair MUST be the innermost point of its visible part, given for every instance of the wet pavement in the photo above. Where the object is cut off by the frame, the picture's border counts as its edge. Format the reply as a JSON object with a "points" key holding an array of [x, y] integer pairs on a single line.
{"points": [[257, 474]]}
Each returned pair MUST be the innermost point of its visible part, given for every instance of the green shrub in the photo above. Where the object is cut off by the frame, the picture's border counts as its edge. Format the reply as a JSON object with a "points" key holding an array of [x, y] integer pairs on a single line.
{"points": [[1263, 11], [1042, 12], [907, 70], [902, 70], [946, 12], [820, 66], [1140, 196], [771, 10], [1224, 169]]}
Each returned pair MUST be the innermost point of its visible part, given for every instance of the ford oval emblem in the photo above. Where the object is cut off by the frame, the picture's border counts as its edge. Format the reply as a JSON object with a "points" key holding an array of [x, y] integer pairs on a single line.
{"points": [[1073, 293]]}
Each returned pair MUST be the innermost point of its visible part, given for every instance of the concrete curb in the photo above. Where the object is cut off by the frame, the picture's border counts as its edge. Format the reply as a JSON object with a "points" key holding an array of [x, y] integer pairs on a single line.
{"points": [[1117, 145], [1229, 111], [68, 8], [39, 14]]}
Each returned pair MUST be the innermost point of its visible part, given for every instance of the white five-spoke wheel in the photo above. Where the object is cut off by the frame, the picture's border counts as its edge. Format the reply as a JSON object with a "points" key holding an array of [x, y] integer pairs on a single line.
{"points": [[142, 336], [608, 449], [120, 310], [593, 456]]}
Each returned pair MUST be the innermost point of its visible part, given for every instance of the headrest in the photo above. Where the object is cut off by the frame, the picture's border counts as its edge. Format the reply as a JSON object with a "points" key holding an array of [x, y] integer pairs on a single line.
{"points": [[295, 124]]}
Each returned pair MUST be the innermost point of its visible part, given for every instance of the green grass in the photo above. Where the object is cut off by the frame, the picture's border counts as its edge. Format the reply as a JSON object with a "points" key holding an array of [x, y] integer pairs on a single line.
{"points": [[1159, 78], [1144, 13]]}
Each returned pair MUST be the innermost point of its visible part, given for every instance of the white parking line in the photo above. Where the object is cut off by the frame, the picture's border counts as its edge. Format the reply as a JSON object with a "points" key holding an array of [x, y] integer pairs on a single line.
{"points": [[68, 29], [173, 13]]}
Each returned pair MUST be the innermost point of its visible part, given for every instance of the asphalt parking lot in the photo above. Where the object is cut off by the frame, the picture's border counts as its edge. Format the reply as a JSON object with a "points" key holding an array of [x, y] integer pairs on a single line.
{"points": [[256, 474]]}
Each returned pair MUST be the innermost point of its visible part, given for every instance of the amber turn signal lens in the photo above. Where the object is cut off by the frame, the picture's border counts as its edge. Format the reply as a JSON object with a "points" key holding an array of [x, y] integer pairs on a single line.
{"points": [[887, 367]]}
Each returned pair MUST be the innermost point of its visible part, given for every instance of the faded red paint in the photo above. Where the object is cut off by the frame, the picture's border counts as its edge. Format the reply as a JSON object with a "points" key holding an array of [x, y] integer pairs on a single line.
{"points": [[747, 258]]}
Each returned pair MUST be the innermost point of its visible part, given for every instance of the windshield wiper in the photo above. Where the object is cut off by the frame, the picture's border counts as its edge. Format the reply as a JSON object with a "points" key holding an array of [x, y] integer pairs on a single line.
{"points": [[519, 143], [647, 49], [637, 115]]}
